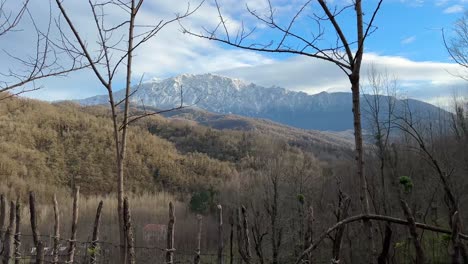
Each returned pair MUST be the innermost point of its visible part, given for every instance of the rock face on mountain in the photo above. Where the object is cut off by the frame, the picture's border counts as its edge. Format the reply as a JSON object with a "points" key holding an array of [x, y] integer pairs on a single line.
{"points": [[214, 93]]}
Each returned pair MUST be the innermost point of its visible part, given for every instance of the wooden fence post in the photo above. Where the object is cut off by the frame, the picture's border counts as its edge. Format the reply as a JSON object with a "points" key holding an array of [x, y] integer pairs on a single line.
{"points": [[94, 243], [33, 218], [8, 244], [231, 239], [245, 226], [72, 244], [55, 252], [170, 235], [3, 220], [129, 232], [220, 235], [199, 230], [17, 231]]}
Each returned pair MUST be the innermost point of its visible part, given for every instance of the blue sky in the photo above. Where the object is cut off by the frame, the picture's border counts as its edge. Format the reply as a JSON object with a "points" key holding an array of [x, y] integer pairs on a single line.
{"points": [[407, 44]]}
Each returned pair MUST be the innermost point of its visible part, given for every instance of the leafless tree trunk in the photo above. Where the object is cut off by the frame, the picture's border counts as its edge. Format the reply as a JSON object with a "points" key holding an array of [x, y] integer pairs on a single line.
{"points": [[33, 218], [231, 239], [342, 213], [3, 220], [241, 239], [341, 55], [55, 252], [9, 236], [72, 243], [95, 240], [170, 235], [459, 254], [309, 231], [18, 232], [258, 235], [199, 233], [220, 235], [40, 252], [129, 233], [420, 259], [112, 57]]}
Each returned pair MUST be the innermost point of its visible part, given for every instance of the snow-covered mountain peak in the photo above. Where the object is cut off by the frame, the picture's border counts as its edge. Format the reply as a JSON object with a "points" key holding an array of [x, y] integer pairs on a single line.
{"points": [[220, 94]]}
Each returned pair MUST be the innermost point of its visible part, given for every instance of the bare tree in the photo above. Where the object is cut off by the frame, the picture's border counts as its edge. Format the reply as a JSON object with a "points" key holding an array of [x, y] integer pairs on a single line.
{"points": [[380, 98], [457, 45], [43, 60], [113, 54], [346, 53]]}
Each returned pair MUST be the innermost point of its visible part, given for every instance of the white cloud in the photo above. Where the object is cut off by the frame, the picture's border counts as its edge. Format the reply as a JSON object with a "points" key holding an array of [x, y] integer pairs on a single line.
{"points": [[454, 9], [169, 53], [421, 80]]}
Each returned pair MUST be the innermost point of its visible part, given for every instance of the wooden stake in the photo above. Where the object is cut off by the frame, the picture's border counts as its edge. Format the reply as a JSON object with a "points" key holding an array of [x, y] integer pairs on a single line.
{"points": [[18, 232], [220, 235], [94, 243], [55, 252], [3, 219], [199, 230], [72, 244], [8, 244], [170, 235], [33, 218]]}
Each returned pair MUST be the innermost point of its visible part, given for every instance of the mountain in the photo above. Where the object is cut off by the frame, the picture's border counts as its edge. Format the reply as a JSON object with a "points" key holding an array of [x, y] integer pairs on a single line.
{"points": [[223, 95]]}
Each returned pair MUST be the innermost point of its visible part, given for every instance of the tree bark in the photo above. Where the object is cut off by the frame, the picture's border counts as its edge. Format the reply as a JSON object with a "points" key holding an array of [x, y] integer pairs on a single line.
{"points": [[3, 219], [18, 232], [129, 232], [170, 235], [220, 235], [199, 231], [8, 244], [72, 243], [95, 240], [420, 259], [55, 253], [33, 218]]}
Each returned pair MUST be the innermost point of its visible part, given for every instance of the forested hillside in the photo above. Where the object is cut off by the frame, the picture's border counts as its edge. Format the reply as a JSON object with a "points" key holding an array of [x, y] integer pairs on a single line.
{"points": [[65, 144]]}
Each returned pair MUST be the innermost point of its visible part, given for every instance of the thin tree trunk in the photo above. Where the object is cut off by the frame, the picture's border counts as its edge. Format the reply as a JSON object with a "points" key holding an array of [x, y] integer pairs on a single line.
{"points": [[8, 244], [309, 231], [245, 226], [199, 231], [72, 244], [342, 214], [355, 89], [40, 253], [170, 235], [220, 235], [129, 232], [33, 218], [459, 251], [18, 232], [420, 259], [3, 219], [231, 239], [94, 243], [241, 239], [55, 253], [383, 257]]}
